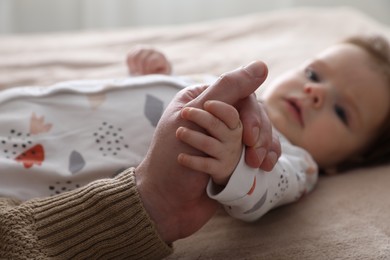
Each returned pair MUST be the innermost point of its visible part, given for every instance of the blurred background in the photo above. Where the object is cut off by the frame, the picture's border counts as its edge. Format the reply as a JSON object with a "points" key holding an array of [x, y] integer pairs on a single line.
{"points": [[41, 16]]}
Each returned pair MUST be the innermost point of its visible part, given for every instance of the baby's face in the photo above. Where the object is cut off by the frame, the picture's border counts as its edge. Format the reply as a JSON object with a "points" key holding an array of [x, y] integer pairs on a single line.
{"points": [[332, 106]]}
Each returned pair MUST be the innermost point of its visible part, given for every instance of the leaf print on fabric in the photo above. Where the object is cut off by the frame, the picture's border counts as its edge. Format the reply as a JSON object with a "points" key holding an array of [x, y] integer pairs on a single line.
{"points": [[283, 185], [37, 125], [258, 204], [110, 140], [14, 143], [76, 162], [62, 186], [153, 109], [34, 155], [252, 189], [95, 100]]}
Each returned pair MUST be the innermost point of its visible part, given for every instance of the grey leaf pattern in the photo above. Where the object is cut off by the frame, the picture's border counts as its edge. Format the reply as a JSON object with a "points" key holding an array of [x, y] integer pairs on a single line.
{"points": [[153, 109], [76, 162], [258, 204]]}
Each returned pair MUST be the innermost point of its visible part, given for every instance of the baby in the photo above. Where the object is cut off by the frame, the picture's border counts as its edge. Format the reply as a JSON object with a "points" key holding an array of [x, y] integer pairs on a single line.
{"points": [[331, 113]]}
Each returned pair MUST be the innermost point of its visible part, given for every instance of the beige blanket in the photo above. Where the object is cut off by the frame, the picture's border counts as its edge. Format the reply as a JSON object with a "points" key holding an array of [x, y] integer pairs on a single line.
{"points": [[346, 217]]}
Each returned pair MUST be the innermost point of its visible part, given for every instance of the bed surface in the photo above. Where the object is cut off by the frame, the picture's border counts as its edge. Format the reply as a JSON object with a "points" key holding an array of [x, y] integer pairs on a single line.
{"points": [[346, 217]]}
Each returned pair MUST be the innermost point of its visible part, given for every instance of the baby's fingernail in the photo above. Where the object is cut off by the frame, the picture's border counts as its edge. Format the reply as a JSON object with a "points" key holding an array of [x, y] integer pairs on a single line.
{"points": [[207, 103], [255, 133], [272, 157], [184, 112]]}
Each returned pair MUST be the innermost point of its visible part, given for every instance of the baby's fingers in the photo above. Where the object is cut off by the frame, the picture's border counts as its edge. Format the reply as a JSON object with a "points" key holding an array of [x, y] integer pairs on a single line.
{"points": [[144, 60], [198, 163], [212, 124], [157, 63], [136, 60], [224, 112], [200, 141]]}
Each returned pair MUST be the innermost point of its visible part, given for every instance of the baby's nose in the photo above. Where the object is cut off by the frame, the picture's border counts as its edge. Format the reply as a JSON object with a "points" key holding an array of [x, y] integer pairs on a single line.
{"points": [[316, 93]]}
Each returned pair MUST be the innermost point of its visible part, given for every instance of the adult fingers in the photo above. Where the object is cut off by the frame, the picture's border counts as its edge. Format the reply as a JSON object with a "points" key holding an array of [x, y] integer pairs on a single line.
{"points": [[257, 132], [263, 146], [273, 154], [234, 86]]}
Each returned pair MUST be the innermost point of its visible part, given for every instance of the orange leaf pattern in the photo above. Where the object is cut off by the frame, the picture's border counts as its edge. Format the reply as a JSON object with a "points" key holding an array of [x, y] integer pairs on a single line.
{"points": [[37, 125], [34, 155]]}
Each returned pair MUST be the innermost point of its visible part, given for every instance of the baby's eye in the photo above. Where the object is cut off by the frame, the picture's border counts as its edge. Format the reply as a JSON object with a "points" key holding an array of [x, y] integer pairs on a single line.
{"points": [[312, 75], [341, 113]]}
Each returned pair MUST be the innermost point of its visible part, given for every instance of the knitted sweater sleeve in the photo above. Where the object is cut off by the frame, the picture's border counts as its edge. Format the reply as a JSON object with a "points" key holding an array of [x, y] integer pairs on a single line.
{"points": [[104, 219]]}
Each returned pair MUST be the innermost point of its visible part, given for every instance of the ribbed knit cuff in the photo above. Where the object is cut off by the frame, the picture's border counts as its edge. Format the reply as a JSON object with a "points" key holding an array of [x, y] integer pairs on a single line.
{"points": [[105, 219]]}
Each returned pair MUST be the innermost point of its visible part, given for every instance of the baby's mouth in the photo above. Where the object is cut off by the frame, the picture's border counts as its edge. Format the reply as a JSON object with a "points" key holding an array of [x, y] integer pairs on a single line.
{"points": [[296, 110]]}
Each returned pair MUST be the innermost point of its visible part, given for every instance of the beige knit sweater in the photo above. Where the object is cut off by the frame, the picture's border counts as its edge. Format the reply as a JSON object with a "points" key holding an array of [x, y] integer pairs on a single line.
{"points": [[103, 220]]}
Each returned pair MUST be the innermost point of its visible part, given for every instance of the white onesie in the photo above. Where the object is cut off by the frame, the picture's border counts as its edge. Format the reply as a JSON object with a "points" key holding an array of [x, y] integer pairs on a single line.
{"points": [[54, 139], [57, 138]]}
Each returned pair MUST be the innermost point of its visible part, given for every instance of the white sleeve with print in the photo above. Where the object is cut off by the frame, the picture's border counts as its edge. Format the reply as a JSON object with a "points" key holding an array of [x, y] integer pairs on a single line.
{"points": [[250, 192]]}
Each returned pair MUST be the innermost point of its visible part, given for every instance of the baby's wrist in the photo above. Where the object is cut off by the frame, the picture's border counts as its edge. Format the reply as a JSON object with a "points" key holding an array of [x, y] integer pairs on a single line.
{"points": [[221, 182]]}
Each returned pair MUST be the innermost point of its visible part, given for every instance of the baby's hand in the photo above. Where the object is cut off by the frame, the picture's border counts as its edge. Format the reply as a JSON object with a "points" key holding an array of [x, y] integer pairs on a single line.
{"points": [[146, 60], [222, 141]]}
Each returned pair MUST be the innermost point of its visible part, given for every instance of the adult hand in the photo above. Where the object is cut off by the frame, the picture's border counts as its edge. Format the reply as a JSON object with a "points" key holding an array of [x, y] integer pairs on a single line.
{"points": [[174, 196], [262, 146]]}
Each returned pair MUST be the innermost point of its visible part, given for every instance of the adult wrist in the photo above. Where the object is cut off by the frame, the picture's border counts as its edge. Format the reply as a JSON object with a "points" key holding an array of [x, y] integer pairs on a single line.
{"points": [[156, 208], [105, 211]]}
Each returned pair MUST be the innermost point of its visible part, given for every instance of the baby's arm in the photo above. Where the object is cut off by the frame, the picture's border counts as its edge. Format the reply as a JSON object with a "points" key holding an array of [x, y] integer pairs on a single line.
{"points": [[247, 193], [146, 60], [222, 141]]}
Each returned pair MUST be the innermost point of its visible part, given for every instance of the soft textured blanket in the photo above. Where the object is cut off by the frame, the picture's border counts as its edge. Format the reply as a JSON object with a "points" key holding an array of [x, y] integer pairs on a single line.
{"points": [[346, 217]]}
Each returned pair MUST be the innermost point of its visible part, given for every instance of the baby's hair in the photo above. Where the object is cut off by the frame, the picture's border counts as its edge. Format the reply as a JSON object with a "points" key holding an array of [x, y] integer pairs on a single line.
{"points": [[377, 152]]}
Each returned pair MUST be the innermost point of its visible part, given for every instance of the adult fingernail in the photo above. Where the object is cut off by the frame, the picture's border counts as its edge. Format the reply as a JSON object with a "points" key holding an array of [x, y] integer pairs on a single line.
{"points": [[256, 69], [272, 157], [255, 134], [261, 153]]}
